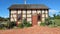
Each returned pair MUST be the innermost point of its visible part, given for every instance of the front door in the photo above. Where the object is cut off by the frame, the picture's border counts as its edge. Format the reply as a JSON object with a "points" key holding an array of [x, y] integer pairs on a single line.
{"points": [[34, 20]]}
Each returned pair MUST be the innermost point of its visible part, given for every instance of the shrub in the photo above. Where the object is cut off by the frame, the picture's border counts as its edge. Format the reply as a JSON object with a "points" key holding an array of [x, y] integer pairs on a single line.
{"points": [[24, 24], [28, 24], [1, 26], [49, 21], [11, 24], [21, 25], [42, 24]]}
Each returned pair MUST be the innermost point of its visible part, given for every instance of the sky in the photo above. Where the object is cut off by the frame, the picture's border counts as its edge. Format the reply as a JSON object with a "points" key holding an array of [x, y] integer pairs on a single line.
{"points": [[54, 5]]}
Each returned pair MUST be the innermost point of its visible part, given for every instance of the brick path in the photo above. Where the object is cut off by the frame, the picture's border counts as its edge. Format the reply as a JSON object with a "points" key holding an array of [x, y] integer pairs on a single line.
{"points": [[32, 30]]}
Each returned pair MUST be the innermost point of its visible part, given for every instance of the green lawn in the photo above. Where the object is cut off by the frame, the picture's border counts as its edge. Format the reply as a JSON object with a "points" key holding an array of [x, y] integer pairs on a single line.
{"points": [[57, 22]]}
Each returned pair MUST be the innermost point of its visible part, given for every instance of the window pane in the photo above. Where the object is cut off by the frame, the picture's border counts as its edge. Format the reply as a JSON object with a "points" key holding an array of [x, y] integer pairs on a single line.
{"points": [[43, 15], [19, 11], [13, 15], [46, 11], [24, 11], [28, 11], [46, 15], [28, 19], [13, 11], [33, 11], [43, 19], [38, 11], [28, 15], [13, 19], [23, 15], [42, 11]]}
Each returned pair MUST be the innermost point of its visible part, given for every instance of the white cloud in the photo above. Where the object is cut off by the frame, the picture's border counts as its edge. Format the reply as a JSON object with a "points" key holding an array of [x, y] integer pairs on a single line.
{"points": [[51, 12], [6, 16]]}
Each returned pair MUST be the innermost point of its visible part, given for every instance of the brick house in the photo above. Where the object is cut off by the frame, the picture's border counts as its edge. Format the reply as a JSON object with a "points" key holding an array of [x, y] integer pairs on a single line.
{"points": [[34, 13]]}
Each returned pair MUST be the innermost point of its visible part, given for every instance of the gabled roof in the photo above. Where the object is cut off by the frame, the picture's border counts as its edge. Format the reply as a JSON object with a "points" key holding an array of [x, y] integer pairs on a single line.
{"points": [[28, 6]]}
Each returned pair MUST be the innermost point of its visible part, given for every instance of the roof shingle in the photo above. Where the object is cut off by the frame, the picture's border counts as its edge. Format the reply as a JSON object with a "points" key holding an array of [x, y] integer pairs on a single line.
{"points": [[28, 6]]}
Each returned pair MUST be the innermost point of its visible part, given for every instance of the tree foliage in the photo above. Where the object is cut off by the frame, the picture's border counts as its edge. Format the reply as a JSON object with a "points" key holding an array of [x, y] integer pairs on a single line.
{"points": [[4, 19], [56, 16]]}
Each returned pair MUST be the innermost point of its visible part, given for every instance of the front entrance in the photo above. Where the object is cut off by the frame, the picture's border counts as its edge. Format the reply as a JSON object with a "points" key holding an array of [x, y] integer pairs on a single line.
{"points": [[34, 20]]}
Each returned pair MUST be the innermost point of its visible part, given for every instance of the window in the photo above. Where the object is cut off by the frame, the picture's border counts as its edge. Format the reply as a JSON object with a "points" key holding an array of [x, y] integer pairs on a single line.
{"points": [[24, 11], [33, 11], [29, 15], [38, 11], [19, 11], [28, 11], [28, 19]]}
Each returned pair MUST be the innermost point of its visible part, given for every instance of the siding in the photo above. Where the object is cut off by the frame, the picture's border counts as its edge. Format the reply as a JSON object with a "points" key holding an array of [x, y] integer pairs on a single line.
{"points": [[29, 15]]}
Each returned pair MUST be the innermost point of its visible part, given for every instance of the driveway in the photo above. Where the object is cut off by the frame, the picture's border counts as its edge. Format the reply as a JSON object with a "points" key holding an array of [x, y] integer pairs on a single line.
{"points": [[32, 30]]}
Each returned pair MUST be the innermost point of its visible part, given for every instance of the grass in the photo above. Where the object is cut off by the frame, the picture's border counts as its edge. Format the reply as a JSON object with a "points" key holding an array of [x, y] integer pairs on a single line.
{"points": [[54, 23], [57, 22]]}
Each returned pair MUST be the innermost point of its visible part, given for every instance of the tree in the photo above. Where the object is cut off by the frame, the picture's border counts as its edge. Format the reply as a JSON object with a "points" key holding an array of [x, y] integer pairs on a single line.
{"points": [[54, 15], [4, 19]]}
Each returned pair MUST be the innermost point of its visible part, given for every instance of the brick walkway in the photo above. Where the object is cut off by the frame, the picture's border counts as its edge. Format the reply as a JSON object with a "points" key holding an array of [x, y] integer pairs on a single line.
{"points": [[32, 30]]}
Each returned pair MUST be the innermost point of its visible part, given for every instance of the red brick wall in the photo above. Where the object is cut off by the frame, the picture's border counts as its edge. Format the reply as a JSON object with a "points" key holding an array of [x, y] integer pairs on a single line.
{"points": [[34, 20]]}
